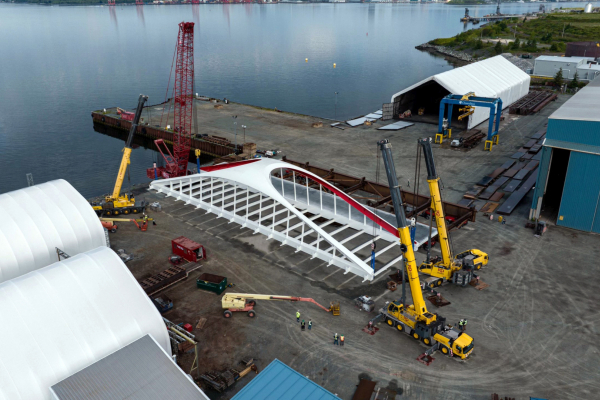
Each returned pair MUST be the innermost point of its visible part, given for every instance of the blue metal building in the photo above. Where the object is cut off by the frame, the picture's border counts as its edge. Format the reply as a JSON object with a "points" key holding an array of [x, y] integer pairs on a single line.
{"points": [[568, 184], [280, 382]]}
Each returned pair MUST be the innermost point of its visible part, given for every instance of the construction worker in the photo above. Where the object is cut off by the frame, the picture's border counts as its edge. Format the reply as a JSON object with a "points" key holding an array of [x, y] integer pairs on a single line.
{"points": [[462, 324], [298, 315], [335, 339], [341, 340], [309, 324], [302, 325]]}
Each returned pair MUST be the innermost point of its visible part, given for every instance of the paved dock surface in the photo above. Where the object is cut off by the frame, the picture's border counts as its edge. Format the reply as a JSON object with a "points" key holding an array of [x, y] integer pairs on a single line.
{"points": [[535, 328]]}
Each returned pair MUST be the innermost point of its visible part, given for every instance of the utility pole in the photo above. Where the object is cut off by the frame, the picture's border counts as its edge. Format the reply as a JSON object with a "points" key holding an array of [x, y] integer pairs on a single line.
{"points": [[235, 130], [335, 115], [244, 127]]}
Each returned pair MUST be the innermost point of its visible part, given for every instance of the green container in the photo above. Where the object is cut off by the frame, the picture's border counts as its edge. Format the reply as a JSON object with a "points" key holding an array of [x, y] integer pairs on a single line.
{"points": [[212, 283]]}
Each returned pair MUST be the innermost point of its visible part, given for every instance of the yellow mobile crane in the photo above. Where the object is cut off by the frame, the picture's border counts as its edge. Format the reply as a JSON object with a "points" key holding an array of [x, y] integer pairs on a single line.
{"points": [[460, 269], [414, 319], [116, 203]]}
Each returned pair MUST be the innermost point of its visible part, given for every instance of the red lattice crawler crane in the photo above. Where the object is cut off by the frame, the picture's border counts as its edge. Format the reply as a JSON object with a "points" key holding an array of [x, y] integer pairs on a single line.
{"points": [[139, 2], [183, 90], [111, 2]]}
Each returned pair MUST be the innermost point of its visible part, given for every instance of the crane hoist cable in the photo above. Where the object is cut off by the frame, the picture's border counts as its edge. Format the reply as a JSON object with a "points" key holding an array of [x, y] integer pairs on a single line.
{"points": [[168, 85]]}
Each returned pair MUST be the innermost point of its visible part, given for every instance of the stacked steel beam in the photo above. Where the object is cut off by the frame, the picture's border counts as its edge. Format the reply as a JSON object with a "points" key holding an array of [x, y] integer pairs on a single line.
{"points": [[533, 102]]}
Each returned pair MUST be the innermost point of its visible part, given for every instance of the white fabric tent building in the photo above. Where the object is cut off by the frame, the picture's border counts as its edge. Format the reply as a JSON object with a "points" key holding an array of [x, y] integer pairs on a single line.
{"points": [[494, 77], [34, 221], [62, 318]]}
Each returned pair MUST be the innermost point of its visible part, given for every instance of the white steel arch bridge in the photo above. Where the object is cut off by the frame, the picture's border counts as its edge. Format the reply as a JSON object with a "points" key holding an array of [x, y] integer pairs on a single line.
{"points": [[298, 209]]}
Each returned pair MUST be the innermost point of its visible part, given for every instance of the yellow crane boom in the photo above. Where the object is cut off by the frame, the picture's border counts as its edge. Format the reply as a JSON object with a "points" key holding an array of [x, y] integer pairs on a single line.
{"points": [[459, 269], [419, 309], [116, 203], [414, 319]]}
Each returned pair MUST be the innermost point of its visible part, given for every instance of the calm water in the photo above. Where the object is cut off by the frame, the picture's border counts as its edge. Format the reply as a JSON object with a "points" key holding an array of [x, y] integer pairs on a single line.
{"points": [[57, 64]]}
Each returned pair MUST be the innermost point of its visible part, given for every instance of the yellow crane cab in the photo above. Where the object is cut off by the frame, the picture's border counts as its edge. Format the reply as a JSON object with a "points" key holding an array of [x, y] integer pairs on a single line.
{"points": [[477, 257]]}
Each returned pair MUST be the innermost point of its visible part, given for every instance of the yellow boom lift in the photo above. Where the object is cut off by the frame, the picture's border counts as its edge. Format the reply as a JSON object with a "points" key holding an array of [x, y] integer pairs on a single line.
{"points": [[414, 319], [245, 302], [118, 203], [459, 269]]}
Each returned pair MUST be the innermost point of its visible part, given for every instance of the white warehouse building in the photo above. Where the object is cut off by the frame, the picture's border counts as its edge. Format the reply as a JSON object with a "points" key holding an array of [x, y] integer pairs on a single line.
{"points": [[494, 77], [36, 220], [587, 69], [62, 318]]}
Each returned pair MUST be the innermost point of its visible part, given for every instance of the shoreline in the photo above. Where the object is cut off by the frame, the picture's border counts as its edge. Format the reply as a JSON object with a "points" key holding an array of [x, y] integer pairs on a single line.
{"points": [[452, 56]]}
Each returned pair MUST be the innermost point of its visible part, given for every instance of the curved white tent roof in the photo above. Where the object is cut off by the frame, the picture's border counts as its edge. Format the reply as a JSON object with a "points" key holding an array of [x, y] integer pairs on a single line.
{"points": [[62, 318], [36, 220], [494, 77]]}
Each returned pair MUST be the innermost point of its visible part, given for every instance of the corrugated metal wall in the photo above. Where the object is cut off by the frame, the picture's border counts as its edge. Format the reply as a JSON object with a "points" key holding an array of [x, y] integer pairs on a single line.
{"points": [[583, 132], [542, 179], [578, 207]]}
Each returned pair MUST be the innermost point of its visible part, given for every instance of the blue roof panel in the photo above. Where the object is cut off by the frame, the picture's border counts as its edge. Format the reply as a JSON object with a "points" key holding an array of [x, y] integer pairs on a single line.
{"points": [[280, 382]]}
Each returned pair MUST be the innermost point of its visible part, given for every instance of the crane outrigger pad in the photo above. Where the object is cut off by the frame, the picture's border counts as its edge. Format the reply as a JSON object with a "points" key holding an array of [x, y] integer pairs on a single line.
{"points": [[425, 359], [438, 301]]}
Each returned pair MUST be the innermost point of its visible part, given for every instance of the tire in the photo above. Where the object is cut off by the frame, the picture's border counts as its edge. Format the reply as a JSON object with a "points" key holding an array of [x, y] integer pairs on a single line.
{"points": [[444, 350], [113, 230], [252, 303], [400, 327], [478, 266], [432, 285], [427, 341], [108, 213], [390, 322], [227, 314], [125, 212], [415, 336], [438, 283], [116, 212], [251, 314], [136, 210]]}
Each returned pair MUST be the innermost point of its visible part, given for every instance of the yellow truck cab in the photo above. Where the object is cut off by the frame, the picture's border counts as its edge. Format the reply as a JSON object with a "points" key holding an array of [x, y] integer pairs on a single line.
{"points": [[478, 257], [445, 338], [455, 343]]}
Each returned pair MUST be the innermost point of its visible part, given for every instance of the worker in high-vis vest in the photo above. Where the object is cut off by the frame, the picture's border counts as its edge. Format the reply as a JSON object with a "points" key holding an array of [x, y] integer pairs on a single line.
{"points": [[298, 315], [309, 324], [462, 324], [341, 340], [335, 339]]}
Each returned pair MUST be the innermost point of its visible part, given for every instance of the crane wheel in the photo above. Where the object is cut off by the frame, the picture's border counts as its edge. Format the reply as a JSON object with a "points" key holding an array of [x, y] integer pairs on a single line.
{"points": [[116, 212], [227, 314], [125, 212], [390, 322], [427, 341], [251, 314], [136, 211], [438, 283], [444, 350], [108, 213], [478, 266], [400, 327], [415, 335]]}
